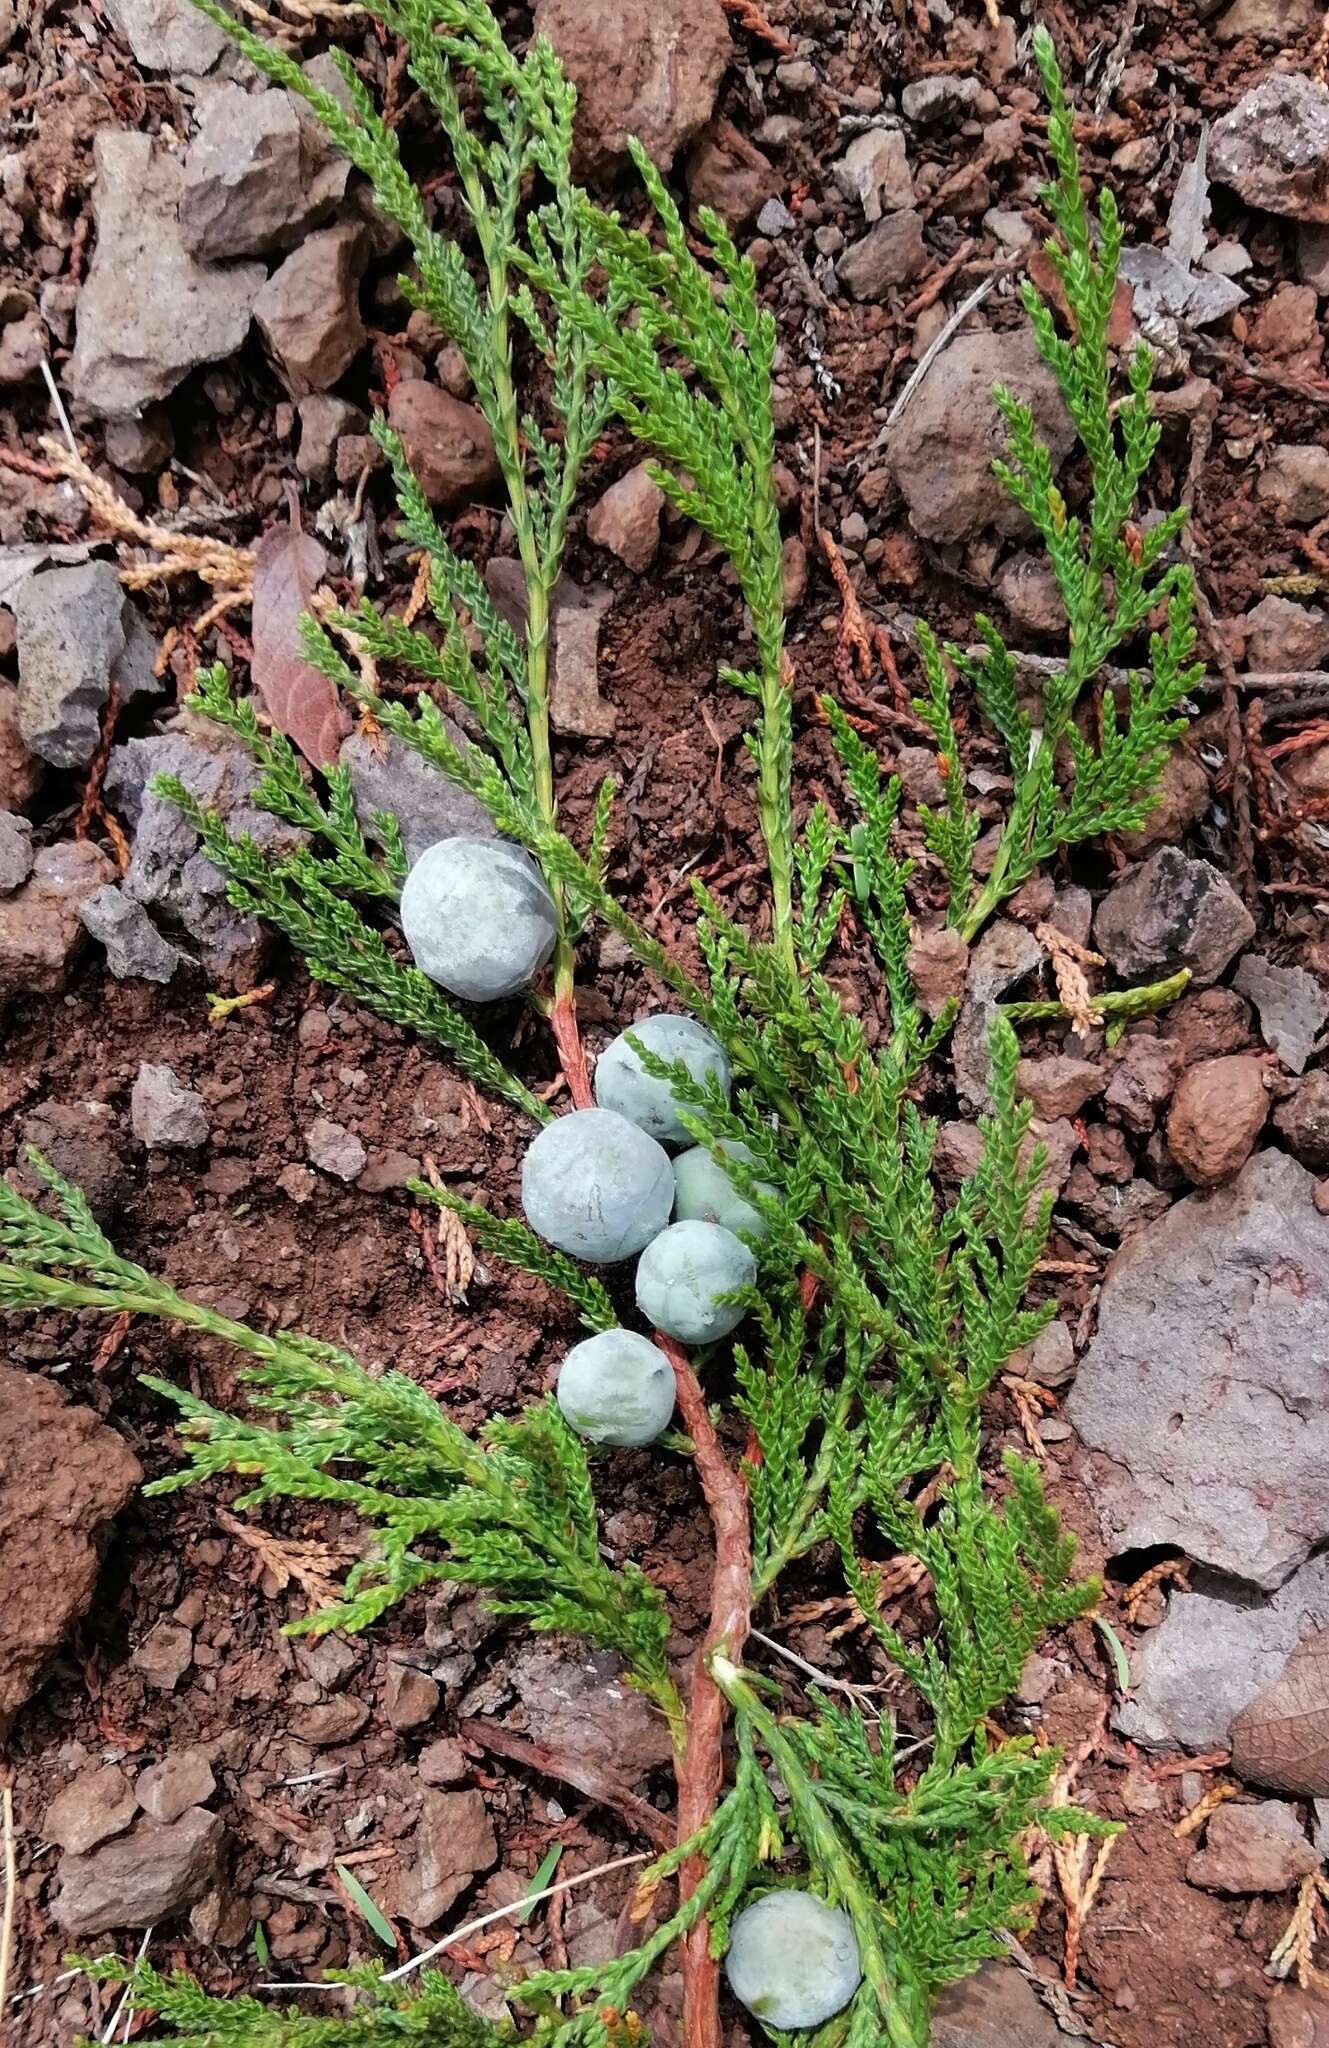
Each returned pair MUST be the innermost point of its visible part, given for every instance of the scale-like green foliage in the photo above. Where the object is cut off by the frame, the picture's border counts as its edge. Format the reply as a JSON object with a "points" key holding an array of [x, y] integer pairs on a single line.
{"points": [[883, 1316]]}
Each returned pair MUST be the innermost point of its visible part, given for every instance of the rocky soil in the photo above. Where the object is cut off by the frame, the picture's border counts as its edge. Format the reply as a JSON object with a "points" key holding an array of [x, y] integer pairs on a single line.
{"points": [[193, 282]]}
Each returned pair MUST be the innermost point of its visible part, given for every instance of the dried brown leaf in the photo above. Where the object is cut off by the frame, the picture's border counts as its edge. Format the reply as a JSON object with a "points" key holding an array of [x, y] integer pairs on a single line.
{"points": [[1282, 1738], [288, 568]]}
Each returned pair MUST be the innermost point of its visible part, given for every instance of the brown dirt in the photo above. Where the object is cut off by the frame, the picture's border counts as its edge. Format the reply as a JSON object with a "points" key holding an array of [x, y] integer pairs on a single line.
{"points": [[1160, 1961]]}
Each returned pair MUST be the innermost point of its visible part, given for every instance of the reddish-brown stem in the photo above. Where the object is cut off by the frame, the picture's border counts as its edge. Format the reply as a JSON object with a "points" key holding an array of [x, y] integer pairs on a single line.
{"points": [[571, 1051], [699, 1771]]}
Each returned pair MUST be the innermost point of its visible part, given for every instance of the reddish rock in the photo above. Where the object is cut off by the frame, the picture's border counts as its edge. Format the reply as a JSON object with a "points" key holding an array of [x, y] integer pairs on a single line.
{"points": [[308, 310], [165, 1655], [1260, 1848], [63, 1476], [447, 442], [938, 963], [1183, 797], [41, 932], [20, 772], [640, 70], [97, 1806], [141, 1879], [626, 520], [1058, 1085], [1207, 1022], [729, 174], [1217, 1114], [180, 1779], [410, 1697], [454, 1842], [1303, 1121]]}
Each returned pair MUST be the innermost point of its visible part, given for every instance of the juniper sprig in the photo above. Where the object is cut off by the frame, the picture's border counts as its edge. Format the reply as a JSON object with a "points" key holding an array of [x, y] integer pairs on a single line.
{"points": [[883, 1313]]}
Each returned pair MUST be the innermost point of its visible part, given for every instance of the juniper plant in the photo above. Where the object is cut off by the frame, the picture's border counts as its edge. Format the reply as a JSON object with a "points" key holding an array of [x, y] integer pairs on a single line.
{"points": [[881, 1316]]}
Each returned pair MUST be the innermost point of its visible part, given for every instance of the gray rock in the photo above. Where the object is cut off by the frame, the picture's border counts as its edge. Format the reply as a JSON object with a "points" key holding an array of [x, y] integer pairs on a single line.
{"points": [[1204, 1396], [255, 177], [165, 1654], [41, 934], [576, 614], [683, 1276], [97, 1806], [180, 1779], [165, 1115], [1260, 1848], [15, 851], [595, 1186], [308, 311], [891, 253], [141, 1879], [387, 775], [168, 872], [1313, 256], [1215, 1649], [623, 1084], [1294, 482], [1172, 912], [581, 1701], [323, 422], [1293, 1007], [1005, 955], [942, 97], [335, 1149], [616, 1388], [140, 447], [78, 633], [135, 949], [940, 450], [168, 35], [135, 343], [874, 170], [1273, 148], [793, 1960], [995, 2008], [478, 917]]}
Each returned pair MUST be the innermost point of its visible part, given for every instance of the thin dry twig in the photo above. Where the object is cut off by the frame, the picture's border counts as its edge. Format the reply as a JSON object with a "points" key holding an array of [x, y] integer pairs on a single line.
{"points": [[1295, 1948], [227, 569], [1190, 1823], [1177, 1569], [580, 1772], [11, 1890], [749, 16]]}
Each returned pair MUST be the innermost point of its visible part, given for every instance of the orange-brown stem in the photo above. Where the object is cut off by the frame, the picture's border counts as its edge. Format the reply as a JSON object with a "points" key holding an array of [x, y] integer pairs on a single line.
{"points": [[699, 1770]]}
